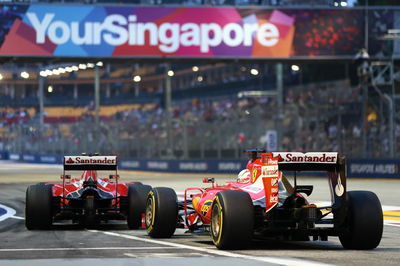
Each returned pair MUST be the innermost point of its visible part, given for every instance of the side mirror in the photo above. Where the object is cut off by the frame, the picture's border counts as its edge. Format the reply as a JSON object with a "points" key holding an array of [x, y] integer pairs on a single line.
{"points": [[65, 177], [116, 177], [209, 180]]}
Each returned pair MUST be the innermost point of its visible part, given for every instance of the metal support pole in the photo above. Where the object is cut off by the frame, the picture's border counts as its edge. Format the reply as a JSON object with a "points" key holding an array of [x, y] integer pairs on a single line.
{"points": [[41, 109], [363, 71], [12, 92], [97, 101], [41, 101], [108, 90], [366, 21], [364, 85], [391, 125], [393, 112], [340, 129], [279, 94], [136, 70], [391, 129], [136, 89], [75, 91], [167, 96], [23, 91], [185, 139]]}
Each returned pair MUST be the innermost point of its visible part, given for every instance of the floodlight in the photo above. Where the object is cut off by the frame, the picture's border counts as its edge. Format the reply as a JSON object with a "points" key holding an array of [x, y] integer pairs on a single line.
{"points": [[137, 78], [254, 71], [295, 68], [24, 74]]}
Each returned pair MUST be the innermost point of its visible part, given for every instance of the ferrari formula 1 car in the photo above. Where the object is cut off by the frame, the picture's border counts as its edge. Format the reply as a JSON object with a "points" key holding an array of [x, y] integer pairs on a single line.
{"points": [[87, 200], [266, 205]]}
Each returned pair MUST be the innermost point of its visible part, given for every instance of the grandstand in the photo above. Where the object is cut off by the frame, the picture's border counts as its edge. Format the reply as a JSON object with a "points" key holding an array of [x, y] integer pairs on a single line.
{"points": [[314, 99]]}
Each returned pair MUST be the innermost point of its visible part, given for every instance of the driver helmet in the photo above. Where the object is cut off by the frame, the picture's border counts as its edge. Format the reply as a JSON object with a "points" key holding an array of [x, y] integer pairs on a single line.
{"points": [[244, 176]]}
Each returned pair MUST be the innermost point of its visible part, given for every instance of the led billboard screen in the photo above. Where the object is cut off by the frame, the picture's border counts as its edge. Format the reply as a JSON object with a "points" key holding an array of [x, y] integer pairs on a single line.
{"points": [[180, 32]]}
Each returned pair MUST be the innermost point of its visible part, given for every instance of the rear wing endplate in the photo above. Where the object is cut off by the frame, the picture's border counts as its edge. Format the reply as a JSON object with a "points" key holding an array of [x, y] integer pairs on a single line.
{"points": [[90, 163]]}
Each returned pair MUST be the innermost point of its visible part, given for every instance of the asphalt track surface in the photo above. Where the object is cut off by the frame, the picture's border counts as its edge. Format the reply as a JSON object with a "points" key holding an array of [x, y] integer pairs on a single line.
{"points": [[114, 244]]}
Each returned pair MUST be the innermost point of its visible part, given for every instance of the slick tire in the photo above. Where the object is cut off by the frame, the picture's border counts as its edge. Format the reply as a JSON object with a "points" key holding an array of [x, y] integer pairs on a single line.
{"points": [[39, 207], [161, 212], [232, 219], [364, 221], [137, 196]]}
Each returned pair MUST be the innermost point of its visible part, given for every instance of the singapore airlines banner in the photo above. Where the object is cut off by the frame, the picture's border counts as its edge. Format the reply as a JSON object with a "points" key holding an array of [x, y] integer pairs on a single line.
{"points": [[116, 31]]}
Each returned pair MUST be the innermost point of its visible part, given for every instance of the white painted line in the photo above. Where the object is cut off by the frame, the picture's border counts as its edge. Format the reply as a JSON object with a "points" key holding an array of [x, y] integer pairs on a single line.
{"points": [[391, 223], [390, 208], [17, 217], [280, 261], [73, 249], [10, 212], [164, 255]]}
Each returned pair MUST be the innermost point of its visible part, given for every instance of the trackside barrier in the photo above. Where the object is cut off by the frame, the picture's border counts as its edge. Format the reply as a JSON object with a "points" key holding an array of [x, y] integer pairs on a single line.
{"points": [[3, 155], [188, 166], [35, 158], [373, 168], [378, 168]]}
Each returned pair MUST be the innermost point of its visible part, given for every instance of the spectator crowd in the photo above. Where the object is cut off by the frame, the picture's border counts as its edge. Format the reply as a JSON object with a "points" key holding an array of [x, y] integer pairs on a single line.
{"points": [[324, 116]]}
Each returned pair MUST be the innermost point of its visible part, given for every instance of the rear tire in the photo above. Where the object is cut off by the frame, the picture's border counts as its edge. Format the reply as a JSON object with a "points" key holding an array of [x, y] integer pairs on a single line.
{"points": [[364, 221], [39, 207], [161, 212], [137, 196], [232, 220]]}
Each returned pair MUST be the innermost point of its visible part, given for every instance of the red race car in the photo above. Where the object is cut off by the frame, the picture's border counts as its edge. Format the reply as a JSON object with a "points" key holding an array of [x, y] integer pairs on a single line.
{"points": [[87, 200], [263, 204]]}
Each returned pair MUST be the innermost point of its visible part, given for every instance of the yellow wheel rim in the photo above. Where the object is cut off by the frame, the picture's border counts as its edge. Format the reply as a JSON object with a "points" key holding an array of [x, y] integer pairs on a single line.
{"points": [[150, 209], [216, 221]]}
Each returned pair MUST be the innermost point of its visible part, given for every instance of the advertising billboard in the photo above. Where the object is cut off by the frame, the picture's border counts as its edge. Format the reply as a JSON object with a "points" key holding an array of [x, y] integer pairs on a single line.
{"points": [[204, 32]]}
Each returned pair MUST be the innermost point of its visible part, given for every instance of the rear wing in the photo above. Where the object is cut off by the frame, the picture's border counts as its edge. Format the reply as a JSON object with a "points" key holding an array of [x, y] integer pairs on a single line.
{"points": [[310, 161], [90, 163], [331, 162]]}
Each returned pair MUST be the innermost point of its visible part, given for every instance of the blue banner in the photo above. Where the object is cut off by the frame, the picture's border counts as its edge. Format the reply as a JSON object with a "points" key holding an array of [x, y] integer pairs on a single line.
{"points": [[373, 168], [188, 166], [3, 155], [15, 156]]}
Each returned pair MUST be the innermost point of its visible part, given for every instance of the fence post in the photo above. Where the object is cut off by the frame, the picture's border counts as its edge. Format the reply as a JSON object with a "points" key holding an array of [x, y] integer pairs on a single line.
{"points": [[279, 90]]}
